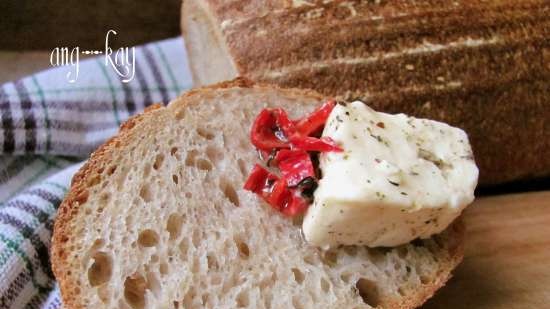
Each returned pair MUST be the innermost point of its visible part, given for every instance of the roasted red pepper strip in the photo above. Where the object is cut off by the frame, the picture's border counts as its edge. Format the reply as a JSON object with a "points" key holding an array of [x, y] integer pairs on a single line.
{"points": [[256, 181], [295, 165], [284, 123], [278, 195], [274, 191], [286, 143], [297, 205], [316, 120], [263, 131], [308, 143]]}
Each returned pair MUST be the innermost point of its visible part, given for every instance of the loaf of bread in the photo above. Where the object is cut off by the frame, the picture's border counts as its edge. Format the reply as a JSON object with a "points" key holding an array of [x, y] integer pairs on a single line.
{"points": [[480, 65], [157, 218]]}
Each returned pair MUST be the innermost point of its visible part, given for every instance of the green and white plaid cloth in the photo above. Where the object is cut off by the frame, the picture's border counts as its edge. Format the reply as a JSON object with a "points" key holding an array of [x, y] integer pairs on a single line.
{"points": [[48, 127]]}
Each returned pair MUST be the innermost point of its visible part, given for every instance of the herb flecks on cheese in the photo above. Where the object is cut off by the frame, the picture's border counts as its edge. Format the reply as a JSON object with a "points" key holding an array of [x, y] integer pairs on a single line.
{"points": [[399, 178]]}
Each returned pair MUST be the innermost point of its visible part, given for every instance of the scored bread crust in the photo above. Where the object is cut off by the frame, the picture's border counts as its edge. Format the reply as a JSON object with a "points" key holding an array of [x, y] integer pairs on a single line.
{"points": [[62, 242], [478, 65]]}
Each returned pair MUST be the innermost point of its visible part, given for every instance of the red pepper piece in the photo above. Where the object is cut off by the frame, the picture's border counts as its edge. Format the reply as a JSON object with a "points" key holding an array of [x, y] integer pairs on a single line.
{"points": [[316, 120], [275, 191], [278, 195], [274, 133], [295, 165], [283, 122], [297, 205], [263, 131], [308, 143], [257, 179], [286, 200]]}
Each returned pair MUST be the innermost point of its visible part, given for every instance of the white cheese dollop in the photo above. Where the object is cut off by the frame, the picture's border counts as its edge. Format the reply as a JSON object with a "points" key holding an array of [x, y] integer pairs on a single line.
{"points": [[399, 178]]}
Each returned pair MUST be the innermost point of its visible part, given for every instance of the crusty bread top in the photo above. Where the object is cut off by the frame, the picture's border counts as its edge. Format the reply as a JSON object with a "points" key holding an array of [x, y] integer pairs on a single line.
{"points": [[264, 36], [479, 65], [145, 224]]}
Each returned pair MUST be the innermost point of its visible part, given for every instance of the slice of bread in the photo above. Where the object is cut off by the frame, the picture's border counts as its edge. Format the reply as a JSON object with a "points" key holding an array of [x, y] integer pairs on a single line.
{"points": [[158, 218]]}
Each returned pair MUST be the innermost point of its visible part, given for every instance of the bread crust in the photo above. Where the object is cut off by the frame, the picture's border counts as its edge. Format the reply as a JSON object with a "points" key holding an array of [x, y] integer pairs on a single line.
{"points": [[486, 72], [452, 238]]}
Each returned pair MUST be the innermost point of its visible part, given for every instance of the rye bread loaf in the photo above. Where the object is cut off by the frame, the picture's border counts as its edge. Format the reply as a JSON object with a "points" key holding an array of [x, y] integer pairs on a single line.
{"points": [[157, 218], [483, 66]]}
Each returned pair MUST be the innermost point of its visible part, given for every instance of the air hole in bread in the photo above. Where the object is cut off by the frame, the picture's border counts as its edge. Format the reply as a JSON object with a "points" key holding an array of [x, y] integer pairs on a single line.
{"points": [[106, 183], [196, 238], [175, 153], [129, 221], [368, 291], [325, 285], [111, 170], [173, 225], [180, 114], [184, 247], [424, 279], [104, 197], [175, 179], [158, 161], [242, 300], [146, 170], [206, 133], [145, 193], [401, 291], [93, 180], [134, 291], [242, 167], [203, 164], [214, 153], [164, 268], [398, 265], [121, 177], [98, 243], [309, 259], [402, 252], [297, 220], [212, 262], [191, 156], [148, 238], [351, 250], [330, 257], [346, 277], [229, 191], [188, 194], [188, 299], [244, 250], [377, 255], [101, 269], [298, 275], [170, 254]]}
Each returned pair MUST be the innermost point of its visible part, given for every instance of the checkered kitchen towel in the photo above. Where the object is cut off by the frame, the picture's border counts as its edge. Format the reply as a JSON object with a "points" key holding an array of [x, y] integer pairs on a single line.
{"points": [[48, 126]]}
